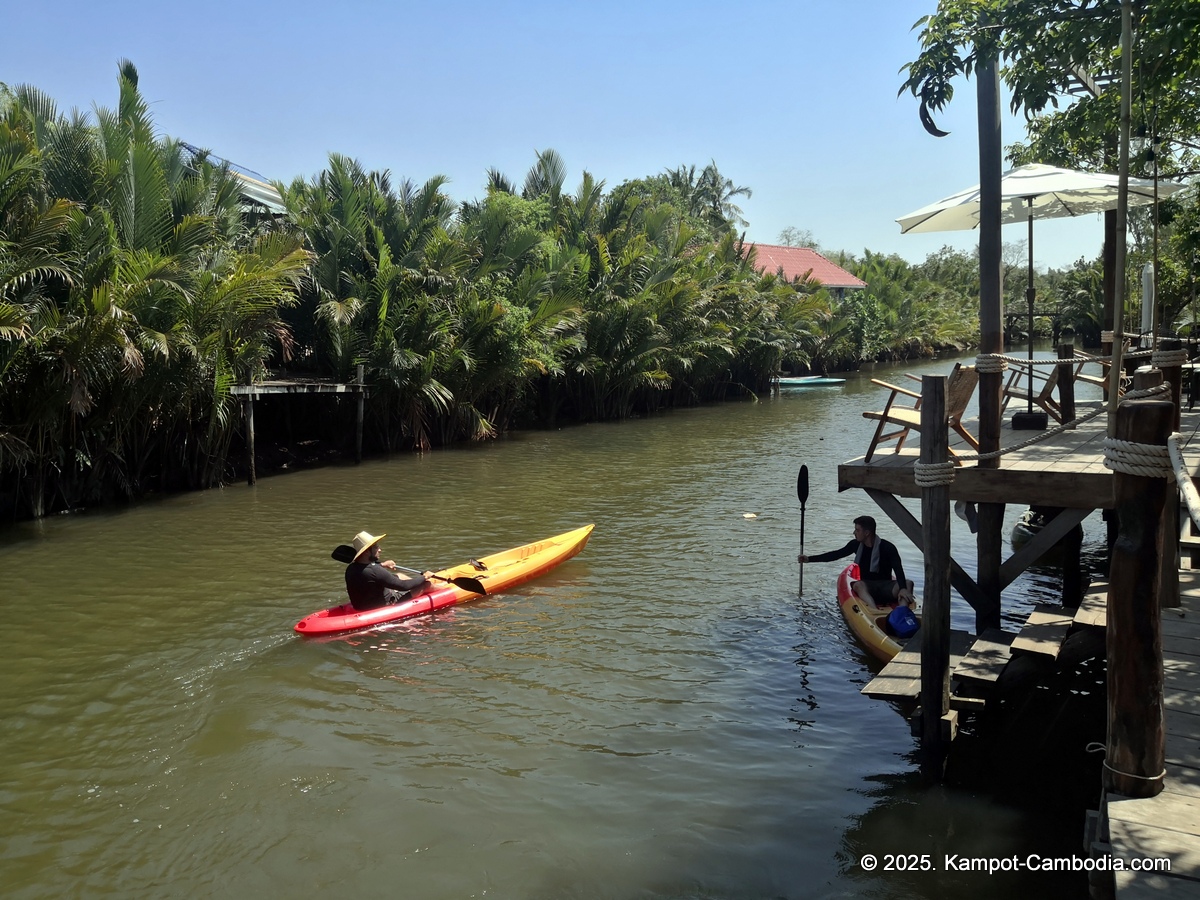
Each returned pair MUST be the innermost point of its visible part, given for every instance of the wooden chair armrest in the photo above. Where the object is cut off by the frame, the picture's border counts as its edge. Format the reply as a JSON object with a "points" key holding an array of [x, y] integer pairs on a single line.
{"points": [[892, 387]]}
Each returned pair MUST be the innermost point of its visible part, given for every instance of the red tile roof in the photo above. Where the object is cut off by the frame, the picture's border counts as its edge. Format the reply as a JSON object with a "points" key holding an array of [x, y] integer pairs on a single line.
{"points": [[799, 261]]}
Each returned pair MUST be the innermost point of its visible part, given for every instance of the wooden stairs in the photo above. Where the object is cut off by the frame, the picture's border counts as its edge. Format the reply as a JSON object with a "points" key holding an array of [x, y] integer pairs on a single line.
{"points": [[975, 665]]}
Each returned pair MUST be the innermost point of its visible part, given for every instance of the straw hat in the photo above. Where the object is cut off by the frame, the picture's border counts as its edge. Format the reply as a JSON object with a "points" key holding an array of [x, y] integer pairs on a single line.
{"points": [[364, 541]]}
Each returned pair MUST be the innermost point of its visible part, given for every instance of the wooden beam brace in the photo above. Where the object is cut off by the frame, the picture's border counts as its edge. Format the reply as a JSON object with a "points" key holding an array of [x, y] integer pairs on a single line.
{"points": [[1051, 533], [907, 522]]}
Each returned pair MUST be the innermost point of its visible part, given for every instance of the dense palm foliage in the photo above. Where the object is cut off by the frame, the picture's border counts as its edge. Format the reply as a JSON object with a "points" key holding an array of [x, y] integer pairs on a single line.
{"points": [[131, 299], [137, 287]]}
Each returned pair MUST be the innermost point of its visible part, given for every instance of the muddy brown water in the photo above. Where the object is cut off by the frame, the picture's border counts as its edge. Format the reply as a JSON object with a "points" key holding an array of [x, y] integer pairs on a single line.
{"points": [[660, 717]]}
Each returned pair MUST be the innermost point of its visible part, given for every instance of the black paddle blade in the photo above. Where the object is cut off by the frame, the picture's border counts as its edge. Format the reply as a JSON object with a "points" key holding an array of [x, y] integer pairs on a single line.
{"points": [[474, 585], [343, 553], [802, 485]]}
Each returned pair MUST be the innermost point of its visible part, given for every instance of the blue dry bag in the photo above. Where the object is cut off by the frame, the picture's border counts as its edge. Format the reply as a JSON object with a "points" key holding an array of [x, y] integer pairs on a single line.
{"points": [[902, 621]]}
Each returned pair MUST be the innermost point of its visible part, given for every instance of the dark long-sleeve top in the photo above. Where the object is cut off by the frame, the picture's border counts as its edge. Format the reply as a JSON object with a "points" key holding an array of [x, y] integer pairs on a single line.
{"points": [[371, 585], [889, 560]]}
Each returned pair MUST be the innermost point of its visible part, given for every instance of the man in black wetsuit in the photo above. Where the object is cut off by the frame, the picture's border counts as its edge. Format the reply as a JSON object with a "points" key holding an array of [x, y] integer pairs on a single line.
{"points": [[876, 559], [371, 583]]}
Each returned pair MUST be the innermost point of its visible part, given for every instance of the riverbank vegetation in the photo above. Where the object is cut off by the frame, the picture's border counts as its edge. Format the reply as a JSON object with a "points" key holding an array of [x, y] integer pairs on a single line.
{"points": [[138, 284]]}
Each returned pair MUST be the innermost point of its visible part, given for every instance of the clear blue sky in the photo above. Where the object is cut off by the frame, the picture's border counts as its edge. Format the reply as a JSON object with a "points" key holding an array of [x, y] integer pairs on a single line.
{"points": [[796, 100]]}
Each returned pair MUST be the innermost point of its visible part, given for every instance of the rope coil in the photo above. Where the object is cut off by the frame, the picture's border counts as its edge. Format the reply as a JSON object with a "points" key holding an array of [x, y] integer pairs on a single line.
{"points": [[933, 474], [1145, 460], [990, 362], [1161, 359]]}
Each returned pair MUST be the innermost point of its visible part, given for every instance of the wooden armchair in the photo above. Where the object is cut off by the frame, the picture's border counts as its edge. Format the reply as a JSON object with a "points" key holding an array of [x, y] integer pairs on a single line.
{"points": [[1101, 380], [1045, 381], [960, 385]]}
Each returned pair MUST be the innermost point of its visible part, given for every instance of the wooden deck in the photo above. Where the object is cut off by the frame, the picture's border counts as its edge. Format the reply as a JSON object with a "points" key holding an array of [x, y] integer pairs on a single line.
{"points": [[295, 386], [1068, 467], [1167, 827]]}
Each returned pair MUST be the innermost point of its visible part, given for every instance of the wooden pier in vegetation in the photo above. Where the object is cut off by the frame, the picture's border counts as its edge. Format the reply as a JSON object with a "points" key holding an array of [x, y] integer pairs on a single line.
{"points": [[248, 393]]}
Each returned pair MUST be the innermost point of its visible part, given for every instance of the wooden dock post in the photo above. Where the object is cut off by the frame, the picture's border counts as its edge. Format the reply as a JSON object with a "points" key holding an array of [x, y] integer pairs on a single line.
{"points": [[1136, 748], [248, 408], [358, 427], [989, 540], [1173, 375], [1066, 382], [936, 728]]}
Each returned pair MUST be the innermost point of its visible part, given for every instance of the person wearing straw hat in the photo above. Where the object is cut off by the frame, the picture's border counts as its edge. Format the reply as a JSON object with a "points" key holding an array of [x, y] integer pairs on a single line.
{"points": [[371, 583]]}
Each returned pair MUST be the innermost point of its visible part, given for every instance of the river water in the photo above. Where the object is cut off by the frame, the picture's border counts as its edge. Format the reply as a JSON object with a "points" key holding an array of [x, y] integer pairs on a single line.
{"points": [[662, 716]]}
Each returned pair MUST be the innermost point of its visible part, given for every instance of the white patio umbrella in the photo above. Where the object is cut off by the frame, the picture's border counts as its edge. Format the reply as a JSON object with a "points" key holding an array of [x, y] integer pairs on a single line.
{"points": [[1055, 193], [1035, 192]]}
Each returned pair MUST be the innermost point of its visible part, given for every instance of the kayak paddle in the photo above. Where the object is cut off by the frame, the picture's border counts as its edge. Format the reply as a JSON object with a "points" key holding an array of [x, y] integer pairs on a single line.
{"points": [[344, 553], [802, 493]]}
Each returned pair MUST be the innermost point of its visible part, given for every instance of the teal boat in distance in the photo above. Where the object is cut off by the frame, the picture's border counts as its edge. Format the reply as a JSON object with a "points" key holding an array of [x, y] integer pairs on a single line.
{"points": [[804, 381]]}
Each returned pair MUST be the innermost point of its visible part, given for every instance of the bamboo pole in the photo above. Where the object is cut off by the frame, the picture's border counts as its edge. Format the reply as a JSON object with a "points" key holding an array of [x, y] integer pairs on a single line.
{"points": [[1122, 213], [1136, 741]]}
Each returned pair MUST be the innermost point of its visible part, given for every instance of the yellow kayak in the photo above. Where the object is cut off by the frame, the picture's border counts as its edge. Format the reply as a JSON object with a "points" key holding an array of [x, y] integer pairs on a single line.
{"points": [[869, 624], [506, 569]]}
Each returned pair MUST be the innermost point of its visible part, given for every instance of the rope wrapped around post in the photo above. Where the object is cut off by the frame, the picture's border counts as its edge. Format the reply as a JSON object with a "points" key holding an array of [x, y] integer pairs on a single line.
{"points": [[991, 362], [1161, 359], [933, 474], [1138, 455], [1144, 460]]}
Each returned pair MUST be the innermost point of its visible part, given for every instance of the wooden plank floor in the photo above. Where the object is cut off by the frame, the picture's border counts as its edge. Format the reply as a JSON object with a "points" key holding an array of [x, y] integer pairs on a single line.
{"points": [[1167, 827]]}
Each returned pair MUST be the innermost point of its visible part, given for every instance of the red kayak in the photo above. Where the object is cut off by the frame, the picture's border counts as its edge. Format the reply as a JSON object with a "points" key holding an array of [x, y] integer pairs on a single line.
{"points": [[494, 573], [347, 618]]}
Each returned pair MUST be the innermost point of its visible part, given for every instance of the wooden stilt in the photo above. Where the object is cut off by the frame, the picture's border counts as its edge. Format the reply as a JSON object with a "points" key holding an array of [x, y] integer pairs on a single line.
{"points": [[358, 427], [1136, 754], [990, 537], [1066, 382], [1072, 585], [251, 475], [935, 619]]}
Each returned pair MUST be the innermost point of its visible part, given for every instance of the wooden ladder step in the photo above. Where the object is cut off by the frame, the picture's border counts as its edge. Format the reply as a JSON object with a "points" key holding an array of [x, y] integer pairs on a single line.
{"points": [[1044, 631], [1093, 608], [901, 678], [1189, 546], [987, 657]]}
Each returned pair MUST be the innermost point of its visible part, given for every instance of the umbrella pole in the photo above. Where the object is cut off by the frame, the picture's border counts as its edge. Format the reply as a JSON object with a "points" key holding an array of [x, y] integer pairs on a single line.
{"points": [[1030, 420]]}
